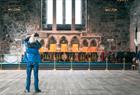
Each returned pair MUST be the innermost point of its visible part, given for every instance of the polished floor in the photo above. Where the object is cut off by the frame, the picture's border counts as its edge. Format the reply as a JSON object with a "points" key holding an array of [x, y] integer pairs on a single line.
{"points": [[76, 82]]}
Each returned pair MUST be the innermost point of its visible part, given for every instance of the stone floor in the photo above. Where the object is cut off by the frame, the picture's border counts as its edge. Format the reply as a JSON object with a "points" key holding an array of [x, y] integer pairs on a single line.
{"points": [[78, 82]]}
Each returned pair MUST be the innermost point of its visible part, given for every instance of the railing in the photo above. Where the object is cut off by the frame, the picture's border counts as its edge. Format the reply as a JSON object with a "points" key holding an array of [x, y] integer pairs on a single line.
{"points": [[13, 61]]}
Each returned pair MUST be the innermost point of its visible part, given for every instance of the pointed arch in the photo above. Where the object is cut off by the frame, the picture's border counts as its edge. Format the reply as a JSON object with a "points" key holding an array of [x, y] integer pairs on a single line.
{"points": [[52, 40], [85, 43], [64, 44], [74, 44], [93, 43], [63, 40], [52, 44], [75, 40]]}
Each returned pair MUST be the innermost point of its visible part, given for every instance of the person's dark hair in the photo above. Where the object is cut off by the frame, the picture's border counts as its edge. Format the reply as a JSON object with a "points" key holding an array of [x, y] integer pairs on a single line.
{"points": [[27, 38], [36, 35]]}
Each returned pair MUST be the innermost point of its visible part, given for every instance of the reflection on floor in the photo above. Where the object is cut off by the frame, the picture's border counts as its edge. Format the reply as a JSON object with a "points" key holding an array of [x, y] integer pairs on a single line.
{"points": [[65, 82]]}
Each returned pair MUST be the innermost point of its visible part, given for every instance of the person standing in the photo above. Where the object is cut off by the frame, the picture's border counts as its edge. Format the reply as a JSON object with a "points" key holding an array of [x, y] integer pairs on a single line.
{"points": [[32, 60]]}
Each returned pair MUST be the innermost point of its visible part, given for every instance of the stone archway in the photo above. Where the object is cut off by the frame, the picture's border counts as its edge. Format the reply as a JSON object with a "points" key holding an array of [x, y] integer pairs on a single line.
{"points": [[64, 44], [63, 40], [52, 44], [85, 43], [75, 44], [93, 43], [93, 46]]}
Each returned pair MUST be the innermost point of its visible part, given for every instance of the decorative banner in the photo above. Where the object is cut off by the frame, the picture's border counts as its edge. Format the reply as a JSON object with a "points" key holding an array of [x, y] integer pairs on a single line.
{"points": [[92, 49], [85, 49], [52, 48], [75, 48], [64, 47], [41, 50]]}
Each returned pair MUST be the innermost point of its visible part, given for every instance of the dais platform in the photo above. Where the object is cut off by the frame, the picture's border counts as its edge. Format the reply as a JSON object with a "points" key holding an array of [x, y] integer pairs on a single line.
{"points": [[76, 82]]}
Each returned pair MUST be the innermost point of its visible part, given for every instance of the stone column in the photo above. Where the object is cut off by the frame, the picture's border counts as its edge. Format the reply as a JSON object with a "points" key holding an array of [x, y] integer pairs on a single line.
{"points": [[73, 16], [46, 43], [58, 46], [69, 47], [54, 26], [88, 42], [57, 43], [64, 9]]}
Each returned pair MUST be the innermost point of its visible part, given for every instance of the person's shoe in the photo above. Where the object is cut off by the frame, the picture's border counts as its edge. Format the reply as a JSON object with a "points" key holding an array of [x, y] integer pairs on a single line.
{"points": [[27, 91], [37, 91]]}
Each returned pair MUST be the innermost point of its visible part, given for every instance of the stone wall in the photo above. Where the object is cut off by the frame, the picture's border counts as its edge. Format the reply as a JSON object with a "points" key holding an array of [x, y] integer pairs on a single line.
{"points": [[107, 18], [18, 19], [110, 19], [134, 23]]}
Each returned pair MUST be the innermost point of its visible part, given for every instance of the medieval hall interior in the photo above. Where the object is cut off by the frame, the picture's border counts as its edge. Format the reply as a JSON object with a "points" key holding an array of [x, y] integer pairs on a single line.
{"points": [[71, 35], [81, 30]]}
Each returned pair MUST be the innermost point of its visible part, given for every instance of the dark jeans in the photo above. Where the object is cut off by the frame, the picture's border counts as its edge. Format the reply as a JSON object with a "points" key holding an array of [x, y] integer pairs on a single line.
{"points": [[28, 78]]}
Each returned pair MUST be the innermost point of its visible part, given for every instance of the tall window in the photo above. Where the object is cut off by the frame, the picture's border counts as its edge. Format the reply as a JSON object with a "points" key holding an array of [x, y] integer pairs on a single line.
{"points": [[49, 9], [59, 11], [78, 12], [68, 12], [64, 14]]}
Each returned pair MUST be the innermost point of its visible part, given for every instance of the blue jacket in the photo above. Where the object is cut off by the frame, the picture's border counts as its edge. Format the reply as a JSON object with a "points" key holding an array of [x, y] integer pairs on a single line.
{"points": [[32, 52]]}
